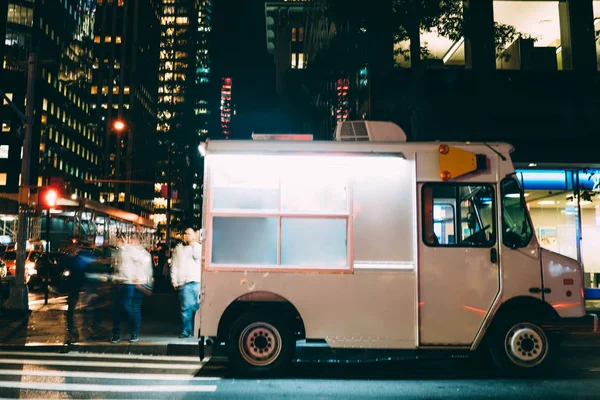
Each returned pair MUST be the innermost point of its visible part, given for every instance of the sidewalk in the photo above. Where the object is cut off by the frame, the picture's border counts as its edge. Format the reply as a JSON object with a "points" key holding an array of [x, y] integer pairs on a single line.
{"points": [[45, 328]]}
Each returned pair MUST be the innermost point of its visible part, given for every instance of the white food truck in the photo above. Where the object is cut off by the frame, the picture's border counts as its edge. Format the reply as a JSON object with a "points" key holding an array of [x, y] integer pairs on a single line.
{"points": [[372, 242]]}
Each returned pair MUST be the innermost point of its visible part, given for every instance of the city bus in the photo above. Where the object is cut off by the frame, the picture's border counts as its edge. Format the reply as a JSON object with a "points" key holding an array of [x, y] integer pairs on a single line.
{"points": [[376, 243]]}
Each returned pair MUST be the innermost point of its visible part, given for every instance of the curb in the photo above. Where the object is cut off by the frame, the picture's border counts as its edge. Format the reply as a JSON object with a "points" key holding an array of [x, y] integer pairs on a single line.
{"points": [[101, 348]]}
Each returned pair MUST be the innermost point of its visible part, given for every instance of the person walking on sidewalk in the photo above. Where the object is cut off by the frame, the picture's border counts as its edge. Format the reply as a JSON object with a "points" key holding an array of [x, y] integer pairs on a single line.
{"points": [[185, 276], [77, 264], [133, 273]]}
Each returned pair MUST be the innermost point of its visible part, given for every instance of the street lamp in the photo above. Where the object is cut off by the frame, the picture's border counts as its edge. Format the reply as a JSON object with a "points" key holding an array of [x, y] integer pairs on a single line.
{"points": [[119, 125]]}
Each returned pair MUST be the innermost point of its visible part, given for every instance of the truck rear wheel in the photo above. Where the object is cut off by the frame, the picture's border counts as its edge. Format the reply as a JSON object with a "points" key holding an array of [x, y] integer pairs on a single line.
{"points": [[260, 345], [520, 346]]}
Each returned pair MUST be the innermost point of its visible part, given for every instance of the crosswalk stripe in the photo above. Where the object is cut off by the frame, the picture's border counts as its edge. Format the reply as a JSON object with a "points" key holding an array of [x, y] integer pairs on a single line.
{"points": [[80, 387], [98, 355], [111, 364], [108, 375]]}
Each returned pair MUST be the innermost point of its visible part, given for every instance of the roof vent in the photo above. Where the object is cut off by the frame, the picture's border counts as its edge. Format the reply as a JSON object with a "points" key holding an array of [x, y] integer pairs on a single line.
{"points": [[369, 131]]}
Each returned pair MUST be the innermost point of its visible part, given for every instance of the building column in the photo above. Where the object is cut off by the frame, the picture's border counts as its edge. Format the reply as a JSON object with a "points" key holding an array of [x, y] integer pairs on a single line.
{"points": [[577, 36], [480, 51], [380, 55]]}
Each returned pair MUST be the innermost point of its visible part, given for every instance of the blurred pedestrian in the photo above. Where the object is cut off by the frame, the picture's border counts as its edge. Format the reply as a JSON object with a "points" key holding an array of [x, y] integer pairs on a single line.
{"points": [[77, 263], [185, 276], [133, 277]]}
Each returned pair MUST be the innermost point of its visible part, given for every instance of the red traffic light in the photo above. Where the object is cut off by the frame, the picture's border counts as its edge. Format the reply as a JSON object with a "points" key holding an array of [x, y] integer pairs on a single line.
{"points": [[49, 198]]}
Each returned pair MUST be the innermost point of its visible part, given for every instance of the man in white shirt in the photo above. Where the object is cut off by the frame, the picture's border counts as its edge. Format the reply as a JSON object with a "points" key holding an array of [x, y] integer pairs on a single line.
{"points": [[185, 276]]}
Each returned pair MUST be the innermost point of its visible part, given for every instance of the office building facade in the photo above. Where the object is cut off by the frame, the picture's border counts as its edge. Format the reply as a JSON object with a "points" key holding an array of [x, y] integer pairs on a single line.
{"points": [[124, 95]]}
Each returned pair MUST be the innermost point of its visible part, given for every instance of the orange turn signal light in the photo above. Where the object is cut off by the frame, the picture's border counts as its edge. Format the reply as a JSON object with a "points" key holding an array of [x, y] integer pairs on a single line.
{"points": [[445, 175]]}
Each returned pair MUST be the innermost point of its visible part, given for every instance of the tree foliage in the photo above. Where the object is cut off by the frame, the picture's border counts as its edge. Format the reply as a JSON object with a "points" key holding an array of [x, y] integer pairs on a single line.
{"points": [[446, 17]]}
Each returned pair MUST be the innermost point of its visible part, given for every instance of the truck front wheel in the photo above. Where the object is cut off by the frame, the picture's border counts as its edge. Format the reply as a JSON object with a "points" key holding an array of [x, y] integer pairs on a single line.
{"points": [[520, 346], [260, 345]]}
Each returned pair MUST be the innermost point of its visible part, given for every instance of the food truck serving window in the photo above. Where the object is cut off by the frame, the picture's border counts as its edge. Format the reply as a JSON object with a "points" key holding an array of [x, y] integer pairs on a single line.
{"points": [[274, 210], [458, 215]]}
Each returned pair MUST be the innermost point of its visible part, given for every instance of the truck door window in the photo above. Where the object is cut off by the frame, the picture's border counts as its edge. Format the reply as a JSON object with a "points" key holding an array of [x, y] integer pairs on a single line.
{"points": [[516, 227], [458, 215]]}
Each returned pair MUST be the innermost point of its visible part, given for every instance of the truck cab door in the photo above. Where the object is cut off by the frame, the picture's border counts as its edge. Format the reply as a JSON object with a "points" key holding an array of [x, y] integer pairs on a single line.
{"points": [[458, 260], [520, 251]]}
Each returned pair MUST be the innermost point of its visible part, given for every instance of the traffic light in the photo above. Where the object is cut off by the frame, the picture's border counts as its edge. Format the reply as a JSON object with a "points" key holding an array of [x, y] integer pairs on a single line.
{"points": [[48, 197]]}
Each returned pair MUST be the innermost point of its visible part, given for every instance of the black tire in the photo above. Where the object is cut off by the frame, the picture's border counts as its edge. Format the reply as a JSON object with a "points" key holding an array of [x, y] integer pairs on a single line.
{"points": [[519, 346], [260, 344]]}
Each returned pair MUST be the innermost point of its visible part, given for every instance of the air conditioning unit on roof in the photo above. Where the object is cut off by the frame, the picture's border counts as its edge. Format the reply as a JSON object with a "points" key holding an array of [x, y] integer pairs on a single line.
{"points": [[369, 131]]}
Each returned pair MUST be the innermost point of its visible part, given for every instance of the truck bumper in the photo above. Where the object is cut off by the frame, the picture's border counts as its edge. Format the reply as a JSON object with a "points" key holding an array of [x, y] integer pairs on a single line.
{"points": [[586, 324]]}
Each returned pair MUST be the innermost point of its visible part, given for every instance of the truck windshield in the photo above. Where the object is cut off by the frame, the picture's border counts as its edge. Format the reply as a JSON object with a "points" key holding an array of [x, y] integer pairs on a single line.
{"points": [[516, 227]]}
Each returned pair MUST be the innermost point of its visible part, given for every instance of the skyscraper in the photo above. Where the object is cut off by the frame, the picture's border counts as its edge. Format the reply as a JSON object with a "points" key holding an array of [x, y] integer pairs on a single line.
{"points": [[125, 92], [286, 32], [202, 103], [183, 105], [65, 142], [226, 107]]}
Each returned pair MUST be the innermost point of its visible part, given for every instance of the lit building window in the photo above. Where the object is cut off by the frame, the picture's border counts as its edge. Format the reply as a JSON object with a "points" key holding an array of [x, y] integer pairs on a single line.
{"points": [[118, 39], [97, 39], [4, 151], [107, 39], [293, 34], [182, 20], [10, 97], [301, 60], [94, 90], [301, 34], [3, 177], [294, 60]]}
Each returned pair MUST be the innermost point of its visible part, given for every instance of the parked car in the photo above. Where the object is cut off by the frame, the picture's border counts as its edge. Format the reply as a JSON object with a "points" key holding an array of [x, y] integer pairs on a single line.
{"points": [[10, 260]]}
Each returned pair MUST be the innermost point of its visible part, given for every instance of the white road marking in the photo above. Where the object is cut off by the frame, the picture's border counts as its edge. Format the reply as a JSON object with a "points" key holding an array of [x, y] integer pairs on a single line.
{"points": [[68, 387], [99, 355], [107, 375], [109, 364]]}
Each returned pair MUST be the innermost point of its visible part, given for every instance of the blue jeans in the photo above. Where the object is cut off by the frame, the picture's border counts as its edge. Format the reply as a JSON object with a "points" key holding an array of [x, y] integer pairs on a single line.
{"points": [[189, 303], [127, 302]]}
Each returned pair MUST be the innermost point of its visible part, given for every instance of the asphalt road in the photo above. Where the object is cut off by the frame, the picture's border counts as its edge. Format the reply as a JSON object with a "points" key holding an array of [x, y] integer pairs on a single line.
{"points": [[44, 375]]}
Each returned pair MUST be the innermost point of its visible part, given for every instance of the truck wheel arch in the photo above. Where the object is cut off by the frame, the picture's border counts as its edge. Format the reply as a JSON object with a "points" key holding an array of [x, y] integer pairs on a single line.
{"points": [[261, 301], [521, 304]]}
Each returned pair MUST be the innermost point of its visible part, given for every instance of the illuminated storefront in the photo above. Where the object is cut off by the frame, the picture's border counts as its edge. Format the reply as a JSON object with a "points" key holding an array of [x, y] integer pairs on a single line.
{"points": [[565, 208]]}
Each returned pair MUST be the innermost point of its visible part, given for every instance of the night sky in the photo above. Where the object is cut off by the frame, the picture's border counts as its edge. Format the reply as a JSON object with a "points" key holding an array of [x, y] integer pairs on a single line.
{"points": [[239, 50]]}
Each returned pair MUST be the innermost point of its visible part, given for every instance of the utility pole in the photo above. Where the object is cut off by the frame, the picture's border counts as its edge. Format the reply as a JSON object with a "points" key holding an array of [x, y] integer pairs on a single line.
{"points": [[18, 299]]}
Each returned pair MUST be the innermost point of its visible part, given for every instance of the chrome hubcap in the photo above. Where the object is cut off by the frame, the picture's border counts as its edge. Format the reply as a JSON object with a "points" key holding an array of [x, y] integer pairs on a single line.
{"points": [[260, 344], [526, 345]]}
